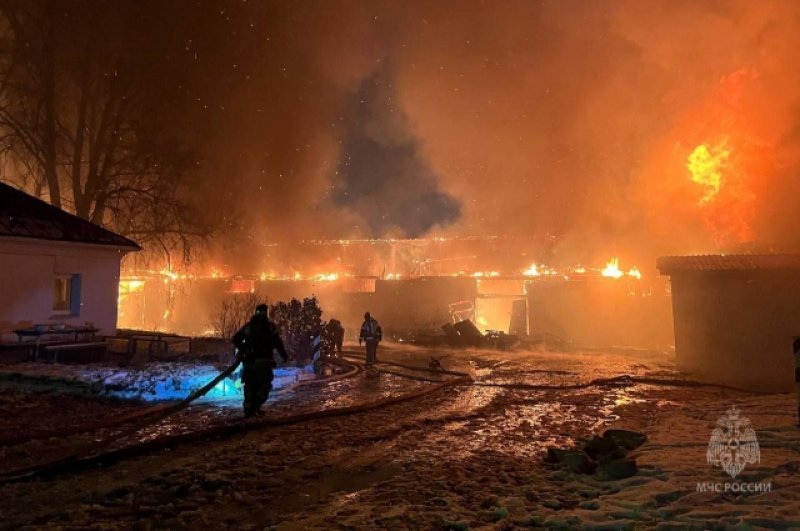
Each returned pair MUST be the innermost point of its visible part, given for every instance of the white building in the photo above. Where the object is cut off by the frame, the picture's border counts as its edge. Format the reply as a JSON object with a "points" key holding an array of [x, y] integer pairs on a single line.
{"points": [[55, 268]]}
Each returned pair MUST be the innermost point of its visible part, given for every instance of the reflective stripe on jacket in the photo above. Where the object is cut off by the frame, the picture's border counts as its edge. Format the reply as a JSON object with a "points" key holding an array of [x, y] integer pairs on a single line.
{"points": [[370, 330]]}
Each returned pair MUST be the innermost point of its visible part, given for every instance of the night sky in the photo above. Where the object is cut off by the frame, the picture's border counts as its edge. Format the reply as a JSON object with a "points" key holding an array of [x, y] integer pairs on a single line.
{"points": [[331, 119]]}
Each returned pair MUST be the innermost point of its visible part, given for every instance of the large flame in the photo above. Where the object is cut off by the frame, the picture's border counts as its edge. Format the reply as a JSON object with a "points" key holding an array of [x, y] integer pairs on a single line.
{"points": [[727, 203], [706, 163], [612, 269]]}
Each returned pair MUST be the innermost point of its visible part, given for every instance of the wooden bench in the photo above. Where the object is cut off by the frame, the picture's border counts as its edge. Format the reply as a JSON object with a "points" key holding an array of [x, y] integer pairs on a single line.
{"points": [[78, 352]]}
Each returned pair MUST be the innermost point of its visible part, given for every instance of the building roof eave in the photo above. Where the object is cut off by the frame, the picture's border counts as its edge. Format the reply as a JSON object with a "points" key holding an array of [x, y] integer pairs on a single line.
{"points": [[669, 265], [25, 216]]}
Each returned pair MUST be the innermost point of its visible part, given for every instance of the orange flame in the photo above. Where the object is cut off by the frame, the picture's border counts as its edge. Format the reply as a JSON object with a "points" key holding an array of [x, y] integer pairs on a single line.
{"points": [[168, 274], [326, 277], [727, 203], [612, 269], [532, 271], [706, 165], [635, 273]]}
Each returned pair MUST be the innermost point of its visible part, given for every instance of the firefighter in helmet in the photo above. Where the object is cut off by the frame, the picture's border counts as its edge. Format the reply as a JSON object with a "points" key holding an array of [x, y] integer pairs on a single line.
{"points": [[371, 334], [333, 336], [256, 341]]}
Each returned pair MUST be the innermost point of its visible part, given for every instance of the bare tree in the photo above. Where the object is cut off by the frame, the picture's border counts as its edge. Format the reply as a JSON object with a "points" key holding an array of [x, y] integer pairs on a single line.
{"points": [[83, 108], [233, 313]]}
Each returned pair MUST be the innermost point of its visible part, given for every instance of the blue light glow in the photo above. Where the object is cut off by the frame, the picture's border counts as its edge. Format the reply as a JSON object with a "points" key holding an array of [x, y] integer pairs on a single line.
{"points": [[174, 381]]}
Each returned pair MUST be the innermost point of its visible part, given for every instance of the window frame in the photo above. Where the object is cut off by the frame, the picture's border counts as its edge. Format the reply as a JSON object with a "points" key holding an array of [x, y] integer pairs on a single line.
{"points": [[73, 299]]}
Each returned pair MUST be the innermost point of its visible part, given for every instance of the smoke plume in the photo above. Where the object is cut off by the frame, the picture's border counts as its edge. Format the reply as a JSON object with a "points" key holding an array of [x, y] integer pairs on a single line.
{"points": [[568, 119]]}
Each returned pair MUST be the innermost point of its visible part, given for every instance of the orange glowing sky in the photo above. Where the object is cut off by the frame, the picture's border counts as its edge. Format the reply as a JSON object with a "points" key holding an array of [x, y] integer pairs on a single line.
{"points": [[571, 119], [571, 122]]}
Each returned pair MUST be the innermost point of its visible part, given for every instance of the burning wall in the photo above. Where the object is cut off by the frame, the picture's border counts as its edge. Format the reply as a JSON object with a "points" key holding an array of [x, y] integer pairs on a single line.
{"points": [[592, 306]]}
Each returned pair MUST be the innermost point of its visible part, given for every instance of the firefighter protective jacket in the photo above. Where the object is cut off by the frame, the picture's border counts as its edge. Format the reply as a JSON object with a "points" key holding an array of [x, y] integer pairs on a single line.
{"points": [[371, 330]]}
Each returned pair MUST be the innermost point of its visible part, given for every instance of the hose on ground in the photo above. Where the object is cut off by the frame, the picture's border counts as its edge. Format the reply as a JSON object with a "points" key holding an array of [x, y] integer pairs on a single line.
{"points": [[622, 380], [76, 463], [412, 368], [148, 418]]}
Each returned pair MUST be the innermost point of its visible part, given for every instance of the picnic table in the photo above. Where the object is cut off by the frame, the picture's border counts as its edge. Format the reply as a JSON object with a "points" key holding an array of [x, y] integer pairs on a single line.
{"points": [[37, 332]]}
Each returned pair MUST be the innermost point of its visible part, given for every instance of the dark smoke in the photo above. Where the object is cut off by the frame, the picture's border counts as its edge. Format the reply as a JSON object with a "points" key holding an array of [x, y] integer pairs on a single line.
{"points": [[568, 119], [383, 175]]}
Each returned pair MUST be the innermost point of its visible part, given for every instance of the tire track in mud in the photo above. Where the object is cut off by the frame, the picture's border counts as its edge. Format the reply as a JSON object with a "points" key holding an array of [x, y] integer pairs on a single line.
{"points": [[460, 458]]}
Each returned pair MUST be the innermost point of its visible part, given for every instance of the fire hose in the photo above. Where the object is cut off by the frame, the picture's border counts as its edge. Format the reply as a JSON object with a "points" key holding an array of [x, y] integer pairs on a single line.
{"points": [[623, 380], [457, 374], [170, 408], [145, 419], [99, 455]]}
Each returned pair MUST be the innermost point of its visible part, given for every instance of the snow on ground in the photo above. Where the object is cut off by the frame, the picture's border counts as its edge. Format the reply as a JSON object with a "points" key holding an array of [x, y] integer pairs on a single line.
{"points": [[672, 486], [467, 457], [156, 381], [170, 381]]}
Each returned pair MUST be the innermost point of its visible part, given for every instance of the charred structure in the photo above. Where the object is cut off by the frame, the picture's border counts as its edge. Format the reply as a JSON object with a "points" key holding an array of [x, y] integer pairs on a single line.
{"points": [[587, 309]]}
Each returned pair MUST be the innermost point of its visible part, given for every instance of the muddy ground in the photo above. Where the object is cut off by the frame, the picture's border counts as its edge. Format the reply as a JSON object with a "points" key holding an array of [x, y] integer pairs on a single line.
{"points": [[467, 456], [38, 408]]}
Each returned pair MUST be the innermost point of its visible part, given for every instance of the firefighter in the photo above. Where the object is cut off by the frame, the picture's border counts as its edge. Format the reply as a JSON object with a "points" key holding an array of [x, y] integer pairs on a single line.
{"points": [[256, 342], [334, 337], [371, 334]]}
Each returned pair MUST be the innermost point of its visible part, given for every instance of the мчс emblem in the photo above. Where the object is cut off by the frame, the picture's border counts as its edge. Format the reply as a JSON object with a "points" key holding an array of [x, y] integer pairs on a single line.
{"points": [[733, 443]]}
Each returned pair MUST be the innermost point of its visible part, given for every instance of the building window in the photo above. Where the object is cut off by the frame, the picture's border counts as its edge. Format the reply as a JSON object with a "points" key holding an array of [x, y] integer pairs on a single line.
{"points": [[67, 294]]}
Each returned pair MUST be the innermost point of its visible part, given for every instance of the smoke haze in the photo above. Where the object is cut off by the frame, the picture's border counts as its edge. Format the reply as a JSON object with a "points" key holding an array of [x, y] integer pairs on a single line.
{"points": [[565, 119]]}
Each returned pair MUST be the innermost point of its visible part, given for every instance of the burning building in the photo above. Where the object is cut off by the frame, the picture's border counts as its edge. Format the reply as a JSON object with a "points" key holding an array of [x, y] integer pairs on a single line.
{"points": [[735, 317], [586, 307]]}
